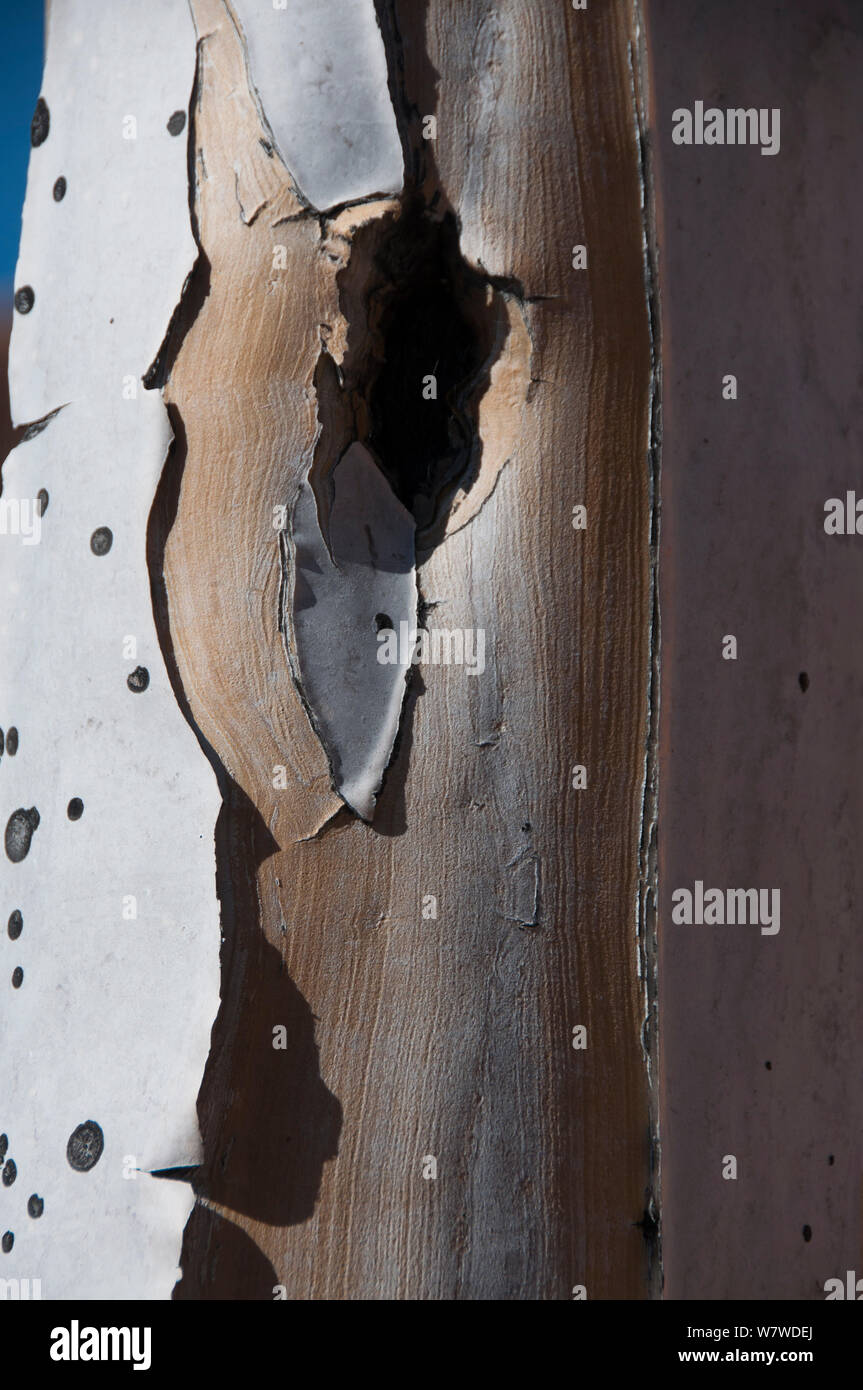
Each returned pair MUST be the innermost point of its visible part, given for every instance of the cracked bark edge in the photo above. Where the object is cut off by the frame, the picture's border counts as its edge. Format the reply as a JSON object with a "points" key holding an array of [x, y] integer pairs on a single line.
{"points": [[648, 857]]}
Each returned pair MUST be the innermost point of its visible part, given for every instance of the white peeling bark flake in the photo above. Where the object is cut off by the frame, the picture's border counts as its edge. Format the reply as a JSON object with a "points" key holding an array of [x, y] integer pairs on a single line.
{"points": [[107, 880], [341, 602], [106, 261], [320, 72]]}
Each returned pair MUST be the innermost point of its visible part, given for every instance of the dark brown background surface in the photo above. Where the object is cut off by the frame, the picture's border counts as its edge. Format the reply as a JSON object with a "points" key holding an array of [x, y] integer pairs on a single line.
{"points": [[760, 782]]}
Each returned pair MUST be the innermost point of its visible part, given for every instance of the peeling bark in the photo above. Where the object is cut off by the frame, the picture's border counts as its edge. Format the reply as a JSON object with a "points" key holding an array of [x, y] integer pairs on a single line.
{"points": [[387, 388], [108, 904], [446, 1035]]}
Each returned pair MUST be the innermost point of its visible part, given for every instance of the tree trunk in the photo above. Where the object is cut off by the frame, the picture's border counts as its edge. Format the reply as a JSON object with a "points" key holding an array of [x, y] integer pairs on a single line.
{"points": [[399, 394]]}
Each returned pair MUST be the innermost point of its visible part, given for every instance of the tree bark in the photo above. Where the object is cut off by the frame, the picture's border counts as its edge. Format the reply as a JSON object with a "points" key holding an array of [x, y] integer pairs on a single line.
{"points": [[448, 1037], [432, 1071]]}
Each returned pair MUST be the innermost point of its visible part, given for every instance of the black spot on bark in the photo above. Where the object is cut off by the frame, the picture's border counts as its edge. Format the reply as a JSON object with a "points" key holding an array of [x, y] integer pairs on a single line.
{"points": [[2, 743], [75, 809], [10, 1172], [59, 189], [42, 499], [804, 681], [4, 1144], [85, 1146], [8, 1242], [19, 833], [35, 1206], [17, 977], [40, 124], [14, 928], [24, 299], [138, 679], [807, 1233], [101, 540], [12, 741], [176, 123]]}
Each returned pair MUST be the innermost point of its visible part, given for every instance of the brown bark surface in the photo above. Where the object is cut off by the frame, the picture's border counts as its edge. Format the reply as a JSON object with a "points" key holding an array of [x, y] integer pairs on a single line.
{"points": [[759, 762], [412, 1036]]}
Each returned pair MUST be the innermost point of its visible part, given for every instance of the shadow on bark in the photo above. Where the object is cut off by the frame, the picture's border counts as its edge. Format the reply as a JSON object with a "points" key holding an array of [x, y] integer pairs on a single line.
{"points": [[221, 1262]]}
